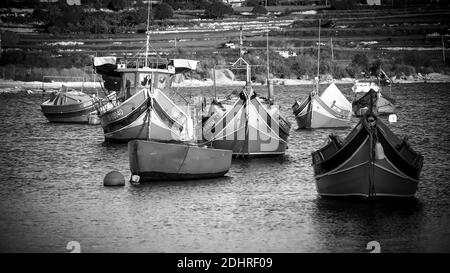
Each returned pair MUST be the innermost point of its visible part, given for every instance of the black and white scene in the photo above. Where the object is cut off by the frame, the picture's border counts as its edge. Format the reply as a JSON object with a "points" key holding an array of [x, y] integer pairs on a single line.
{"points": [[224, 126]]}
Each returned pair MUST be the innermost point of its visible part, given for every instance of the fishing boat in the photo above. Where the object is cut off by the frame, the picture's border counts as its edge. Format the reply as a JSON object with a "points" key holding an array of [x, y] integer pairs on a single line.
{"points": [[142, 101], [365, 85], [383, 104], [142, 106], [370, 162], [330, 109], [71, 106], [250, 128], [248, 125], [157, 161]]}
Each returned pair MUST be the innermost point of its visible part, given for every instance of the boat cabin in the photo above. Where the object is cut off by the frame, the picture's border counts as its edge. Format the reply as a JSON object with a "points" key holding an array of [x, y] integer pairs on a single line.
{"points": [[134, 79]]}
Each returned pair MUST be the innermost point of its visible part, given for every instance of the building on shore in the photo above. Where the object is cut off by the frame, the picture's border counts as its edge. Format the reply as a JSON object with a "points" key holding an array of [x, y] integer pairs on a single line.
{"points": [[68, 2], [234, 3]]}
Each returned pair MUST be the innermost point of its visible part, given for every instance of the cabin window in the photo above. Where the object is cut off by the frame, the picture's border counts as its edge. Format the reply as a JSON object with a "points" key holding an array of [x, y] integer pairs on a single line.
{"points": [[162, 81], [129, 82], [145, 79]]}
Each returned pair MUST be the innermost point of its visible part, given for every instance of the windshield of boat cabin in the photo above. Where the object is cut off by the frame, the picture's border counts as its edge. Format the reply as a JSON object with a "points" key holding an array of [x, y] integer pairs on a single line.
{"points": [[129, 80]]}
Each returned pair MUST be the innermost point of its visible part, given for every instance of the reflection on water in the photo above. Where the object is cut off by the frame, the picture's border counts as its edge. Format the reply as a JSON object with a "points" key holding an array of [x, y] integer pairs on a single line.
{"points": [[51, 191]]}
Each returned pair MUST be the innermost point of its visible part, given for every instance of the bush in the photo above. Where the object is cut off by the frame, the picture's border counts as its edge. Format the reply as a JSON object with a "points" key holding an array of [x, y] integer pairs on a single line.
{"points": [[425, 69], [361, 60], [259, 10], [406, 70], [339, 71], [252, 3], [163, 11], [217, 10], [303, 65]]}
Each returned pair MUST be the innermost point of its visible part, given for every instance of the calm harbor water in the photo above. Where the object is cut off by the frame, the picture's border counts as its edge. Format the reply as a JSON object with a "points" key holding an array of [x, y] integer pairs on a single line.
{"points": [[51, 190]]}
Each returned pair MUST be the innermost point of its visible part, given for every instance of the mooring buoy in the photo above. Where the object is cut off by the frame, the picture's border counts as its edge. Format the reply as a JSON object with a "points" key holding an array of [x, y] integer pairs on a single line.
{"points": [[93, 118], [114, 178]]}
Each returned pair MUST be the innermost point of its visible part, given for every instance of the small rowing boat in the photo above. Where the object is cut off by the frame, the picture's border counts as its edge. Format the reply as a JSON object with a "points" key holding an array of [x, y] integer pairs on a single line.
{"points": [[158, 161], [71, 106]]}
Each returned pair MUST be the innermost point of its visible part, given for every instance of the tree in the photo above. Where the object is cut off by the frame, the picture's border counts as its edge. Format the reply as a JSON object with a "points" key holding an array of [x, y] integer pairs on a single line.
{"points": [[217, 10], [259, 10], [163, 11], [252, 3], [117, 5], [362, 61]]}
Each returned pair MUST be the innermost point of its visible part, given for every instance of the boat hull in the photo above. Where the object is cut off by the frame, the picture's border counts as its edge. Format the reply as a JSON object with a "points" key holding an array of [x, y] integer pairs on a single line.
{"points": [[58, 110], [130, 120], [61, 116], [372, 162], [249, 129], [354, 179], [381, 105], [156, 161], [315, 114]]}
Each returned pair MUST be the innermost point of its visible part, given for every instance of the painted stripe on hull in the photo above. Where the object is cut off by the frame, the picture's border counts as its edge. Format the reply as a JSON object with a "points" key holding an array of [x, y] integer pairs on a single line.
{"points": [[138, 129], [160, 176]]}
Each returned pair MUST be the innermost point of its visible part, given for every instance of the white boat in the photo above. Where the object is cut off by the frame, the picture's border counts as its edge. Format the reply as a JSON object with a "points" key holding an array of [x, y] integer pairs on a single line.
{"points": [[331, 109]]}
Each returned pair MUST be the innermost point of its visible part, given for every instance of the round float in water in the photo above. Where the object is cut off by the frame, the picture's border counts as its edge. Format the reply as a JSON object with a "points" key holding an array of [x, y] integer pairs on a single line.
{"points": [[114, 178]]}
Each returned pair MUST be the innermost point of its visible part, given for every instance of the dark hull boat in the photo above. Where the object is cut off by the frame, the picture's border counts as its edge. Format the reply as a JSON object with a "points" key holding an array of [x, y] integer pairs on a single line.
{"points": [[71, 106], [382, 104], [329, 110], [370, 162], [156, 161], [250, 127]]}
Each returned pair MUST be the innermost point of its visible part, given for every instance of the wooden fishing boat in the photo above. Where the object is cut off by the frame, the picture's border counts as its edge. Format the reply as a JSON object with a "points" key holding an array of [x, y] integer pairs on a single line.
{"points": [[371, 162], [141, 100], [383, 104], [331, 109], [71, 106], [250, 128], [246, 124], [157, 161]]}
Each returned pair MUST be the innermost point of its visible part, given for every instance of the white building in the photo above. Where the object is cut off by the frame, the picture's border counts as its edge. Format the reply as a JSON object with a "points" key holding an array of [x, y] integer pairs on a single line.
{"points": [[234, 3], [69, 2]]}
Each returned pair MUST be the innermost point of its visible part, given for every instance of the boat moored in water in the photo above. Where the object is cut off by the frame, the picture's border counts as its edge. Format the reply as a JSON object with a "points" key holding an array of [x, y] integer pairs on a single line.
{"points": [[71, 106], [383, 104], [251, 127], [142, 102], [157, 161], [330, 109], [371, 162]]}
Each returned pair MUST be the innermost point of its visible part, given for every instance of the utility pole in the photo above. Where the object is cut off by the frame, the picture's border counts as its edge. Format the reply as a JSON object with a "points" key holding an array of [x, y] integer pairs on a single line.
{"points": [[332, 51], [443, 48]]}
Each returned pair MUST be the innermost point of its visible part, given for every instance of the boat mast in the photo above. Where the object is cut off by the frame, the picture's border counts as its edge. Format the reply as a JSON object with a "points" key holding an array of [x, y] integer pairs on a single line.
{"points": [[267, 57], [318, 61], [147, 44], [269, 83]]}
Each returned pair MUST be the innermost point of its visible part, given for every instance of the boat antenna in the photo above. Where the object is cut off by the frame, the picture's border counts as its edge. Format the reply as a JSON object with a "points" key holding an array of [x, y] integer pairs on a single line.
{"points": [[318, 60], [240, 43], [147, 44]]}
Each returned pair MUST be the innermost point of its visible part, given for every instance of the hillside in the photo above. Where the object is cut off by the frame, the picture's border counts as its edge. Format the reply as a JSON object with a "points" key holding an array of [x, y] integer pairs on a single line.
{"points": [[405, 41]]}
